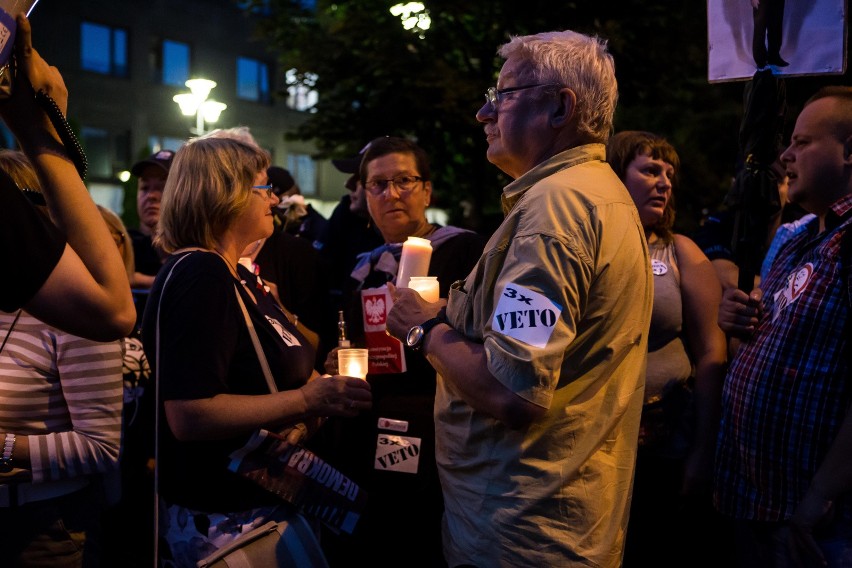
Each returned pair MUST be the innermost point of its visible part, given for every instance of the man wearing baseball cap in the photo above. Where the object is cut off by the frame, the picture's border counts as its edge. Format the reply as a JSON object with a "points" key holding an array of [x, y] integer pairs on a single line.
{"points": [[151, 176]]}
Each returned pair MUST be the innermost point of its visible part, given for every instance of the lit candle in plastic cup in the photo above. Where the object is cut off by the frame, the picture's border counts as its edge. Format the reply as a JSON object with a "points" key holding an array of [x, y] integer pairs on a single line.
{"points": [[426, 286], [352, 362], [414, 261]]}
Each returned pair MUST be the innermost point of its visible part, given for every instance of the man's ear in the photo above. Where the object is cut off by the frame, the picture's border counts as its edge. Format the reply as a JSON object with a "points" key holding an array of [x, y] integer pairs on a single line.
{"points": [[566, 108]]}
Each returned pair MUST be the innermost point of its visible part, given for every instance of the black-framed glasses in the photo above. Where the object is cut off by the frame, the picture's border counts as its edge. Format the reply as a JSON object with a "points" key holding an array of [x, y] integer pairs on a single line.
{"points": [[493, 94], [265, 188], [403, 184]]}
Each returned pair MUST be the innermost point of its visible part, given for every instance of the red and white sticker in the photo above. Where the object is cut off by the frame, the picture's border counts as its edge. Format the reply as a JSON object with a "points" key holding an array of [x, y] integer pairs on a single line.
{"points": [[797, 283]]}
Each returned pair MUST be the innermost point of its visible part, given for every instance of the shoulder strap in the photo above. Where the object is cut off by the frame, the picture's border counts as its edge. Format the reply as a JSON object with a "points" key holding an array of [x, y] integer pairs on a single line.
{"points": [[157, 415], [264, 364]]}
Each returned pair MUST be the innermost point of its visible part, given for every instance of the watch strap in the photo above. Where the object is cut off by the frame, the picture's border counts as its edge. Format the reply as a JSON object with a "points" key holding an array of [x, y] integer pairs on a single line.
{"points": [[430, 323]]}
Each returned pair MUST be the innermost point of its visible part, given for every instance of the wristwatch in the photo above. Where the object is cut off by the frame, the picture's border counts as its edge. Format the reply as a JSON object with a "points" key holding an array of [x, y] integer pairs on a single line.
{"points": [[415, 335]]}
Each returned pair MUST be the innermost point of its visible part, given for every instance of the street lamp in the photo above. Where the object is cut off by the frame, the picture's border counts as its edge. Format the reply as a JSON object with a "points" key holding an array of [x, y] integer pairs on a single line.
{"points": [[196, 102]]}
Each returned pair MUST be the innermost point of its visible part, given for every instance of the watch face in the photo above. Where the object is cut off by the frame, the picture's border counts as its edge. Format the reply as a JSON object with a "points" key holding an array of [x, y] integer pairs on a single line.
{"points": [[414, 336]]}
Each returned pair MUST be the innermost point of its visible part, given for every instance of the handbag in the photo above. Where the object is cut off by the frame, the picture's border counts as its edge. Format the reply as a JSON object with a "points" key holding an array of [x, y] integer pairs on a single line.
{"points": [[283, 543], [289, 542]]}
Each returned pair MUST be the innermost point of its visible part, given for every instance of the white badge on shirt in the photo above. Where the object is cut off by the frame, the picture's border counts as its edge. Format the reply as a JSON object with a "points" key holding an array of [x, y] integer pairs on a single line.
{"points": [[658, 267], [525, 315], [796, 283], [397, 453], [289, 339]]}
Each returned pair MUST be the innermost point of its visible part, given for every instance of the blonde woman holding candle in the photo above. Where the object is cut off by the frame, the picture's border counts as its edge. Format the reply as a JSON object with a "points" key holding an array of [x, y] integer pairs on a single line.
{"points": [[398, 187], [213, 395]]}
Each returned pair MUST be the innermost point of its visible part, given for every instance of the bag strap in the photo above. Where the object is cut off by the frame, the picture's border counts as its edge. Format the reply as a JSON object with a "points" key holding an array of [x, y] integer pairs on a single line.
{"points": [[264, 364], [157, 415], [11, 327]]}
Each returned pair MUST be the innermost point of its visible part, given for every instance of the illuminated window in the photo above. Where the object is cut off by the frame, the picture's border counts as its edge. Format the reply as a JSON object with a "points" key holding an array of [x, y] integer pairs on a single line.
{"points": [[103, 49], [252, 80], [304, 171], [170, 62]]}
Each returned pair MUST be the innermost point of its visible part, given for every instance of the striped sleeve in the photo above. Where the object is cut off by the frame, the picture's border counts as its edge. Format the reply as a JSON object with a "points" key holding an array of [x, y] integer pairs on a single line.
{"points": [[90, 379]]}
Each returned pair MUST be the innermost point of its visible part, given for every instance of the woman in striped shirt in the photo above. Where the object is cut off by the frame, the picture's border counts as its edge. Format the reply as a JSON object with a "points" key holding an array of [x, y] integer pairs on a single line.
{"points": [[60, 423]]}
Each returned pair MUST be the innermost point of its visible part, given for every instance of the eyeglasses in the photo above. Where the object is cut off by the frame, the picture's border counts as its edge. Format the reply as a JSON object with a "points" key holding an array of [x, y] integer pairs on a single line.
{"points": [[266, 188], [493, 94], [404, 185]]}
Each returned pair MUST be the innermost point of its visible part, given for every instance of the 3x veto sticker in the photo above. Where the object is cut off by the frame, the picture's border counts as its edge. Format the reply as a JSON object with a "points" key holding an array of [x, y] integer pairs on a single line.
{"points": [[525, 315]]}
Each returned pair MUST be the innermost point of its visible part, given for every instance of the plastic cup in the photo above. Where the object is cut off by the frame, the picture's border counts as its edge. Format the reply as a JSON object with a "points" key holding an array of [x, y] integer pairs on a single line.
{"points": [[426, 286], [352, 363]]}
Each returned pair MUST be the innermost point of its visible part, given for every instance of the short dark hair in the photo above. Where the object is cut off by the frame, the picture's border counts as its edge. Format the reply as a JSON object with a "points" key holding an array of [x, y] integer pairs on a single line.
{"points": [[623, 148], [391, 145], [843, 119]]}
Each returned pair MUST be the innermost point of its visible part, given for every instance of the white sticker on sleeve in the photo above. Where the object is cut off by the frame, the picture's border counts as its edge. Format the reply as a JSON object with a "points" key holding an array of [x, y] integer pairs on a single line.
{"points": [[526, 315]]}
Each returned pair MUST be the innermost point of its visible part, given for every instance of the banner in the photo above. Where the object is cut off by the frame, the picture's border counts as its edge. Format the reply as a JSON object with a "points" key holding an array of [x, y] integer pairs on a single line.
{"points": [[303, 479]]}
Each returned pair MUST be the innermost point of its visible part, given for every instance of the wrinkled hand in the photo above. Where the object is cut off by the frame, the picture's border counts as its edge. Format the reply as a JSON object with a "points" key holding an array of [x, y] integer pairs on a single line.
{"points": [[811, 512], [337, 396], [20, 110], [331, 364], [739, 313], [409, 309]]}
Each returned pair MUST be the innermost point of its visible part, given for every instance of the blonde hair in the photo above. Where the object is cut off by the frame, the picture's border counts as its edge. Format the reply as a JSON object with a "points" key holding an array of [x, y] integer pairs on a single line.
{"points": [[209, 185], [19, 168], [122, 238]]}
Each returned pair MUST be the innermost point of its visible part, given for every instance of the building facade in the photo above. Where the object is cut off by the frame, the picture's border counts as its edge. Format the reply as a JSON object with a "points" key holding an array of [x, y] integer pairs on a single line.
{"points": [[124, 60]]}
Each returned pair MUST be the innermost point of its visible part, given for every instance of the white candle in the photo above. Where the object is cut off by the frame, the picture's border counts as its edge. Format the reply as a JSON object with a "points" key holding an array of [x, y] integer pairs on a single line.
{"points": [[352, 362], [426, 286], [416, 254]]}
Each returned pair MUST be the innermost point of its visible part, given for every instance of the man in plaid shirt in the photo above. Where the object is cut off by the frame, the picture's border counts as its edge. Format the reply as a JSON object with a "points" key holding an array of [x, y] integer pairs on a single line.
{"points": [[784, 454]]}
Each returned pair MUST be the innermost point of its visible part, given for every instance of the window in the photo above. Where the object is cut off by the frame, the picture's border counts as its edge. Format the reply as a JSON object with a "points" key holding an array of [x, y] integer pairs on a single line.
{"points": [[107, 152], [157, 143], [95, 141], [252, 80], [170, 62], [258, 7], [300, 94], [304, 171], [7, 139], [103, 49]]}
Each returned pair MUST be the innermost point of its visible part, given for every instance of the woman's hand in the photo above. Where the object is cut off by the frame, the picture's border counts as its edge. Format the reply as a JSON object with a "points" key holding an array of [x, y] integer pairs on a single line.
{"points": [[337, 396], [20, 111]]}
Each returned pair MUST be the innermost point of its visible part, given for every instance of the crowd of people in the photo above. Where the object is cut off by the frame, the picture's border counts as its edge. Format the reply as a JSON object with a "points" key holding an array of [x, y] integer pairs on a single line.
{"points": [[590, 389]]}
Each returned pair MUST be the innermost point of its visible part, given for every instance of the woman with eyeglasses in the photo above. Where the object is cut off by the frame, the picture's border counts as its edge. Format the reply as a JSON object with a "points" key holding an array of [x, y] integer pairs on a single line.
{"points": [[213, 395], [405, 503]]}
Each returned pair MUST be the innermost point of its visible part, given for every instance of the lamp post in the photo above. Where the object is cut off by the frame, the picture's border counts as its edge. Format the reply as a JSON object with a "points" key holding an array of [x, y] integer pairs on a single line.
{"points": [[196, 102]]}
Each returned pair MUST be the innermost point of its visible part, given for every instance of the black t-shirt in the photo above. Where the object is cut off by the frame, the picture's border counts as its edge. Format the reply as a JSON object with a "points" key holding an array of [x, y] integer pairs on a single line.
{"points": [[346, 236], [401, 507], [145, 257], [206, 350], [292, 264], [31, 245]]}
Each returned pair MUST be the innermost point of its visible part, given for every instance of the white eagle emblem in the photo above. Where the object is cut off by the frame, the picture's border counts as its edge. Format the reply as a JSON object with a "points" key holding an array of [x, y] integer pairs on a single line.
{"points": [[375, 310]]}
